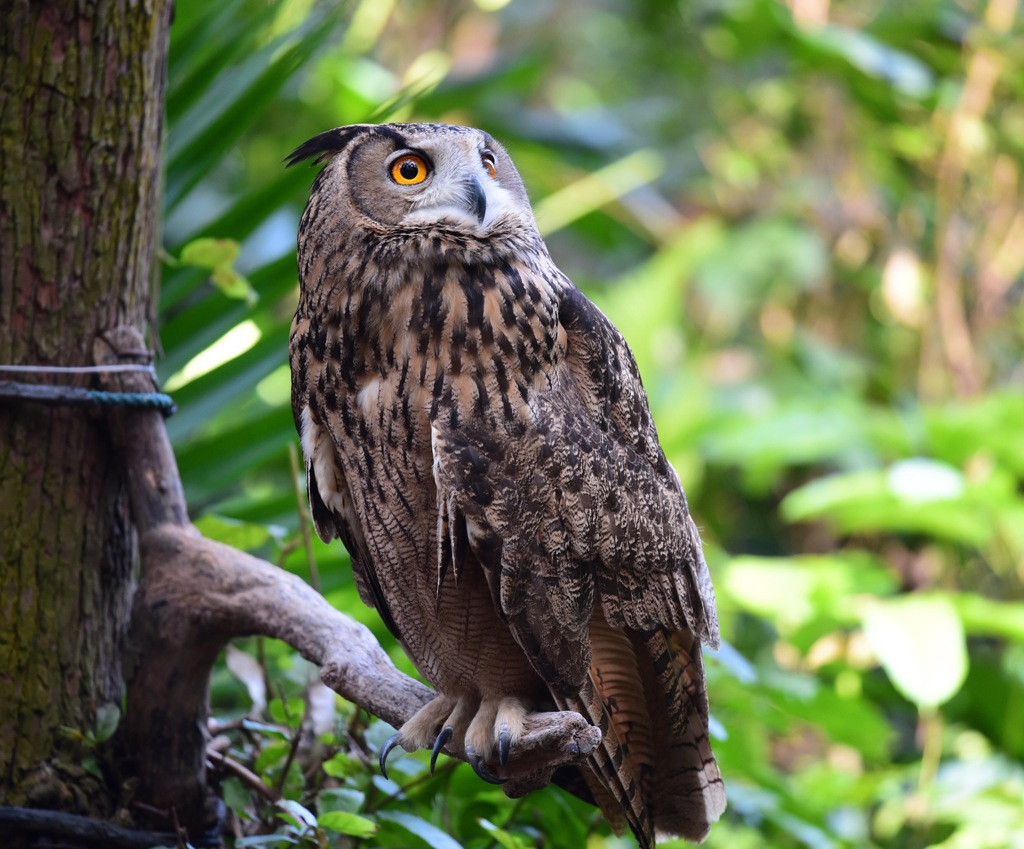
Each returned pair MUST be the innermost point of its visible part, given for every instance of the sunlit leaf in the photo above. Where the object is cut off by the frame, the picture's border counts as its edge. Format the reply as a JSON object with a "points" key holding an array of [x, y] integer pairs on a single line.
{"points": [[210, 253], [296, 813], [920, 480], [920, 642], [792, 591], [347, 823]]}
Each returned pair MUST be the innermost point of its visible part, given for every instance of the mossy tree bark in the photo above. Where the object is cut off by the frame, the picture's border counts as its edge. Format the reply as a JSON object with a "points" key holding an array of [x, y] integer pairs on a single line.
{"points": [[81, 104]]}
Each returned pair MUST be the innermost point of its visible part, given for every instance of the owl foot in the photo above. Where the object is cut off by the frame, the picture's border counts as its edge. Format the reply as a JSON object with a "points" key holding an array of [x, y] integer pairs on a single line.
{"points": [[385, 750], [477, 763], [442, 738], [475, 730]]}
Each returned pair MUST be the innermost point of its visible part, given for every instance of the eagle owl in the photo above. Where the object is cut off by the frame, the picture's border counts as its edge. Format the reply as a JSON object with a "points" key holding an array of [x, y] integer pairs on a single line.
{"points": [[476, 434]]}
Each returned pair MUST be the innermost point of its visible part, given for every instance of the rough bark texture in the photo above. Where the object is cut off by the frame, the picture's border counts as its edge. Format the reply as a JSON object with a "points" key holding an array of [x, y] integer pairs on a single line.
{"points": [[81, 104]]}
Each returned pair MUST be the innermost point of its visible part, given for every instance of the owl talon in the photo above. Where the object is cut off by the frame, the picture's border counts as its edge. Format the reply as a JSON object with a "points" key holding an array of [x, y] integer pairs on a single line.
{"points": [[476, 762], [442, 738], [389, 744], [504, 744]]}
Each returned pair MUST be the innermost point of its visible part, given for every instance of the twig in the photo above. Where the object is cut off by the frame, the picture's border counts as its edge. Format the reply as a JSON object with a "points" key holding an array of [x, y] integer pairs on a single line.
{"points": [[292, 749], [249, 778]]}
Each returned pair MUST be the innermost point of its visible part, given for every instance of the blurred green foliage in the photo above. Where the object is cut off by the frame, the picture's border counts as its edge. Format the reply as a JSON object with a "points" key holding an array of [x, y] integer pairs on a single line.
{"points": [[806, 218]]}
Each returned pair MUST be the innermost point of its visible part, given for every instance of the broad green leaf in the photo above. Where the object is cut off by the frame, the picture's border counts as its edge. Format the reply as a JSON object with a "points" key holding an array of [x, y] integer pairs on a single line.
{"points": [[210, 253], [868, 501], [920, 480], [344, 799], [793, 591], [989, 617], [344, 822], [341, 765], [920, 642], [431, 835]]}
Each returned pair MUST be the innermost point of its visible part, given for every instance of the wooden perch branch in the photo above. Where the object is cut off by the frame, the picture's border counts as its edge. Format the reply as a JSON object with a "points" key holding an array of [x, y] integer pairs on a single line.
{"points": [[195, 595]]}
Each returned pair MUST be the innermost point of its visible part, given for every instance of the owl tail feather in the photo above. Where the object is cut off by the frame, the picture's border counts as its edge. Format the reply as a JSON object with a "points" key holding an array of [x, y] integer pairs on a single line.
{"points": [[654, 770], [612, 699], [686, 793]]}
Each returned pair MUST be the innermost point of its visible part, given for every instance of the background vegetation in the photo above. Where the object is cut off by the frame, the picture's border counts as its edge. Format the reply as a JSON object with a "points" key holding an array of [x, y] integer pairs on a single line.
{"points": [[806, 217]]}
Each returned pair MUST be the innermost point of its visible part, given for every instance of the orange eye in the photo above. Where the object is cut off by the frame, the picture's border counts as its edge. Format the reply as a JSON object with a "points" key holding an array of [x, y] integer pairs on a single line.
{"points": [[409, 170], [488, 160]]}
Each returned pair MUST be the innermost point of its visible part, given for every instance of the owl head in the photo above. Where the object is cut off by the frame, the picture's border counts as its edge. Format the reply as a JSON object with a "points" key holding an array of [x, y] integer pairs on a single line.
{"points": [[419, 177]]}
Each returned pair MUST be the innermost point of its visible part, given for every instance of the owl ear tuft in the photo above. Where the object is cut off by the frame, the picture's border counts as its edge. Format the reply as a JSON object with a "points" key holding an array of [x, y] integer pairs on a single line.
{"points": [[325, 145]]}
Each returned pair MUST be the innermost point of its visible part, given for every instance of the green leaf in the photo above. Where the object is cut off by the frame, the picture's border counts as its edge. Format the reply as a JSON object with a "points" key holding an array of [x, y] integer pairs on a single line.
{"points": [[234, 285], [506, 840], [429, 834], [91, 766], [345, 799], [218, 256], [344, 822], [236, 794], [920, 480], [210, 253], [920, 642], [342, 766], [298, 815], [919, 497], [988, 617], [793, 591], [107, 718]]}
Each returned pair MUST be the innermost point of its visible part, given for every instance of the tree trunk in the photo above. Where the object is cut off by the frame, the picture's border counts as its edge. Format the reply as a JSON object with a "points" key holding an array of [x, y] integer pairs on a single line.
{"points": [[81, 107]]}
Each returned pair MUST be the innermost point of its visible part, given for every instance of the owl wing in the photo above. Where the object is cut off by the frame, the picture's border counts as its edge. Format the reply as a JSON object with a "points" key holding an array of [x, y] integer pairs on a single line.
{"points": [[340, 521], [330, 499], [578, 507], [582, 529]]}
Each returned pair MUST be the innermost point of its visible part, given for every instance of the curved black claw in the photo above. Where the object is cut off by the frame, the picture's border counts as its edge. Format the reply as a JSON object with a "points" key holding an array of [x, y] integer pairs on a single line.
{"points": [[476, 762], [442, 738], [504, 744], [389, 744]]}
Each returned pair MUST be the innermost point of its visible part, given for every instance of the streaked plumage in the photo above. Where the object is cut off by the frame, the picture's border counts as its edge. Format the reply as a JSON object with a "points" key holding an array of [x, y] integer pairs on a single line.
{"points": [[477, 435]]}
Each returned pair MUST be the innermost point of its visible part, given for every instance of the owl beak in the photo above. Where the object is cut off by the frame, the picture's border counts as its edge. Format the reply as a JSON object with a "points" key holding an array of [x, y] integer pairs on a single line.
{"points": [[476, 198]]}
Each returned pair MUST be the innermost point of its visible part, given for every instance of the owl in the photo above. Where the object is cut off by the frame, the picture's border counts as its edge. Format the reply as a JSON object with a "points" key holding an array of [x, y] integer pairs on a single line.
{"points": [[476, 433]]}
